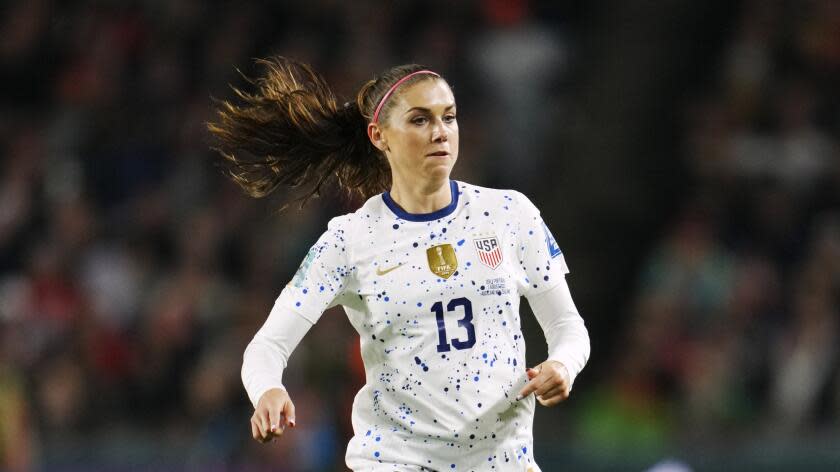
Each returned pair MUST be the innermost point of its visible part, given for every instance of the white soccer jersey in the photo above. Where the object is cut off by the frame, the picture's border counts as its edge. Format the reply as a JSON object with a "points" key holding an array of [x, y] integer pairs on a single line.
{"points": [[435, 299]]}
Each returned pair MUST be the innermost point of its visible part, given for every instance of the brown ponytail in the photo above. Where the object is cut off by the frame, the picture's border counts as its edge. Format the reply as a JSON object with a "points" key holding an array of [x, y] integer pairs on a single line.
{"points": [[293, 133]]}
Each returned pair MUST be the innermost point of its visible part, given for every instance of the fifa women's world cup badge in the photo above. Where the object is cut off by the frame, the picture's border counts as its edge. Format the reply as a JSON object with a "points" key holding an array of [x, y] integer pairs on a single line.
{"points": [[442, 260]]}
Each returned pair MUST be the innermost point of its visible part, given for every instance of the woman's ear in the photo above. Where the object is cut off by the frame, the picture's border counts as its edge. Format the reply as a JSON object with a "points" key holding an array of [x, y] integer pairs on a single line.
{"points": [[377, 137]]}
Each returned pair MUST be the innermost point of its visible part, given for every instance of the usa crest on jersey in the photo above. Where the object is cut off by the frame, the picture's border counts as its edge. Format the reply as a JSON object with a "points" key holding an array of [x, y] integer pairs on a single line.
{"points": [[489, 251]]}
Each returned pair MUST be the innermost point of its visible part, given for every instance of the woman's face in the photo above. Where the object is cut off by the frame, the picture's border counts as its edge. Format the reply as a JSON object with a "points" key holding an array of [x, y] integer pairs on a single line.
{"points": [[420, 136]]}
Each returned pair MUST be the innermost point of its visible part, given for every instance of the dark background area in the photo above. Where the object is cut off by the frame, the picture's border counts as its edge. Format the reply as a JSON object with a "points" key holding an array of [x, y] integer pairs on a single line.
{"points": [[684, 154]]}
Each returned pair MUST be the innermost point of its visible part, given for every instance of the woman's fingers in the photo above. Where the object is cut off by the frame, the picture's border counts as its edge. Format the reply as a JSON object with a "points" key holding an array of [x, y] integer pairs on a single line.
{"points": [[535, 381], [548, 385], [289, 413], [553, 382], [256, 428], [542, 380], [553, 400], [265, 427], [551, 393], [274, 420]]}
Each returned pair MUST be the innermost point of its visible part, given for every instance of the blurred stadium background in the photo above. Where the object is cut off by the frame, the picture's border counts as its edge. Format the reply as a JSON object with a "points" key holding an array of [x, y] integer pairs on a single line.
{"points": [[685, 154]]}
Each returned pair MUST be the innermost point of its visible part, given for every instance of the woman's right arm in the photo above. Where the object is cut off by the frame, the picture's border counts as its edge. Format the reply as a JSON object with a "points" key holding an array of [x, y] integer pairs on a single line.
{"points": [[262, 371], [318, 284]]}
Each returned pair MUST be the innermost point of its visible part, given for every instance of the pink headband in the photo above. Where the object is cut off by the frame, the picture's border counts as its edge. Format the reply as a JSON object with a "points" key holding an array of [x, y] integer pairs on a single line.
{"points": [[394, 87]]}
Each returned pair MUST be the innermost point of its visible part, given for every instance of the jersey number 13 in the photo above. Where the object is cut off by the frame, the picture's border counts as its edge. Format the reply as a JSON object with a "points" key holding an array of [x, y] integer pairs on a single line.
{"points": [[465, 322]]}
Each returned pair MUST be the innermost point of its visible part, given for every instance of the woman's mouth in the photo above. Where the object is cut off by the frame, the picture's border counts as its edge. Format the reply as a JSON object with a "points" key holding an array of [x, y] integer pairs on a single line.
{"points": [[438, 154]]}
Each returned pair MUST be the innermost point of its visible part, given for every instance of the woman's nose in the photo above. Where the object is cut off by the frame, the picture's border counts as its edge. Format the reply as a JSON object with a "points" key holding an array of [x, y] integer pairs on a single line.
{"points": [[439, 133]]}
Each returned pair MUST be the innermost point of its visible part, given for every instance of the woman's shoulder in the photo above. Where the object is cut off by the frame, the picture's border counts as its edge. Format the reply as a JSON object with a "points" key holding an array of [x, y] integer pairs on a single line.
{"points": [[364, 216], [499, 196]]}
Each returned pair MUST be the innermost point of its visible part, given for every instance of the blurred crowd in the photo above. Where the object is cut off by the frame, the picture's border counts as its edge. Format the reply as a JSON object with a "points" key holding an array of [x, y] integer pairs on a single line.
{"points": [[734, 327], [133, 274]]}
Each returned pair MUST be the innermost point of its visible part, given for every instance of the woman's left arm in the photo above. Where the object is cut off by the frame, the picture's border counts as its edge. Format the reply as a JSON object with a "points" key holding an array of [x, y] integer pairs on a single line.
{"points": [[541, 278], [568, 345]]}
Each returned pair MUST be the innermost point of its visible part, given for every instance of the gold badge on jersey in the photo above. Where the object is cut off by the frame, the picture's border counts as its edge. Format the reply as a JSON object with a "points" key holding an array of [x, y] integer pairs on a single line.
{"points": [[442, 260]]}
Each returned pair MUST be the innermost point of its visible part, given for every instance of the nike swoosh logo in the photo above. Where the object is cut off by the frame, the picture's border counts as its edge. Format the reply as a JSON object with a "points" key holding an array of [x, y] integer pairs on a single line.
{"points": [[383, 272]]}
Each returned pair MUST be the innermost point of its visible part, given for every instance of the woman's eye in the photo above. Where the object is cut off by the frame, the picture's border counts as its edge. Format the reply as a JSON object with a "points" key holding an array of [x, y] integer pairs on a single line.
{"points": [[419, 120], [449, 118]]}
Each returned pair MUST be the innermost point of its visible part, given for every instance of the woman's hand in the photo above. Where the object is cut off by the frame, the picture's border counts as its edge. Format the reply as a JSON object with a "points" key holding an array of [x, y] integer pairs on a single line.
{"points": [[274, 412], [550, 381]]}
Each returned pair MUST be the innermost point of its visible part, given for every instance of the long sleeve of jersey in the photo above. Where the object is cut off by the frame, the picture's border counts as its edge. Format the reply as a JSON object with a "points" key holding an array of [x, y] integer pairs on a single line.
{"points": [[565, 332], [541, 278], [268, 353], [318, 285]]}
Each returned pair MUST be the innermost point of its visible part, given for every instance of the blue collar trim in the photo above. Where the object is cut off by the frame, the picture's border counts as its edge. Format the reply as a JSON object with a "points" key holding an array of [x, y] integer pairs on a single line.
{"points": [[435, 215]]}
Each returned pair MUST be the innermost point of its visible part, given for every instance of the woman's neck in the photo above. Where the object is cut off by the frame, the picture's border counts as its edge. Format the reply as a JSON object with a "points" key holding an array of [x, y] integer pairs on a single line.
{"points": [[420, 199]]}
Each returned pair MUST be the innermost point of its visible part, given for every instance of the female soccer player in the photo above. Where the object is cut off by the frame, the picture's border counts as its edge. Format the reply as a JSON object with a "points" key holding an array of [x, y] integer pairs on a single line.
{"points": [[429, 270]]}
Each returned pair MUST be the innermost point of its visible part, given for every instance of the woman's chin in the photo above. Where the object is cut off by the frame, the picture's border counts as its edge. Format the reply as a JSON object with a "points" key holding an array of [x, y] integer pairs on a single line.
{"points": [[439, 172], [440, 167]]}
